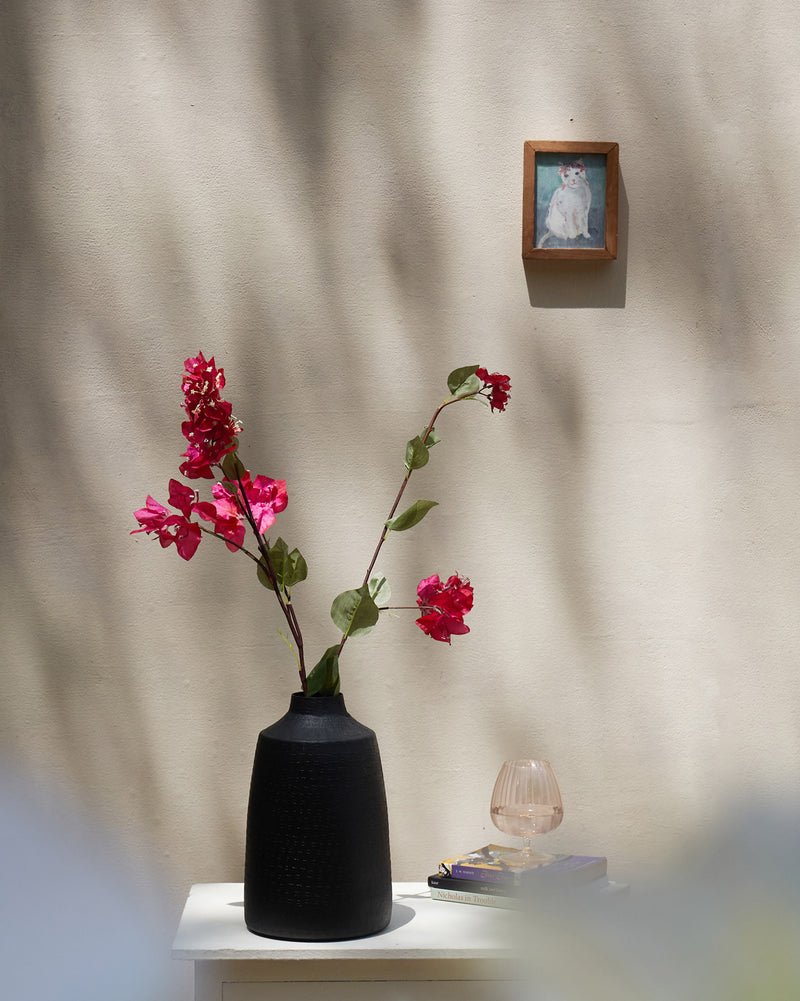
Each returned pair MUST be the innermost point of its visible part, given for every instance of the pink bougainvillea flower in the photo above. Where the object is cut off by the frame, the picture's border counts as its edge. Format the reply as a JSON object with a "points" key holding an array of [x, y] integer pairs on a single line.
{"points": [[211, 429], [226, 515], [181, 497], [169, 527], [265, 498], [184, 533], [202, 380], [499, 386], [444, 606], [208, 444], [151, 517]]}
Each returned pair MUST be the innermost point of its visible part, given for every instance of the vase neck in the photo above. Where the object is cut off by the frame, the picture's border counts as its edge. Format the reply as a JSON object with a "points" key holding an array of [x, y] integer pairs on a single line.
{"points": [[318, 705]]}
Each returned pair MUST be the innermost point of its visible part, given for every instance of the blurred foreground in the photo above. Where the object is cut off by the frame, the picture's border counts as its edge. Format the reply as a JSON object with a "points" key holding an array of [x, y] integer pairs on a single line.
{"points": [[74, 924], [721, 924]]}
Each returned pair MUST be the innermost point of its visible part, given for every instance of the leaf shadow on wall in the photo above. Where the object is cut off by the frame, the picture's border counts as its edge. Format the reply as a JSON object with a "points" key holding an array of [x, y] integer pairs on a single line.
{"points": [[567, 284]]}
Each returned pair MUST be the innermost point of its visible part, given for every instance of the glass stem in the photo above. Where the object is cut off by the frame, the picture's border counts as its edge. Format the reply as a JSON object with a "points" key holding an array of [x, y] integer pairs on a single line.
{"points": [[526, 844]]}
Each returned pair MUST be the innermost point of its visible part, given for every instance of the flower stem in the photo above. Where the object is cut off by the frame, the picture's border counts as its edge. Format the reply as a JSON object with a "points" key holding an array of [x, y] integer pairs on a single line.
{"points": [[228, 542], [401, 491], [285, 603], [406, 478]]}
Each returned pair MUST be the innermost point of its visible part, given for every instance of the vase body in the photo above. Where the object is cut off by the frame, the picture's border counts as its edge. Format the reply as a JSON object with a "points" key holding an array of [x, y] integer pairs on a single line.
{"points": [[317, 865]]}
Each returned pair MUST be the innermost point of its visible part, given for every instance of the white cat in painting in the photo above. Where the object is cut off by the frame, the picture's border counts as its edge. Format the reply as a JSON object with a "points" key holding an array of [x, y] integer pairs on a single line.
{"points": [[568, 215]]}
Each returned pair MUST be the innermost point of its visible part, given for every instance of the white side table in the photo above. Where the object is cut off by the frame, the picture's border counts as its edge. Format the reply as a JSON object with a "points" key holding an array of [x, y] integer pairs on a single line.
{"points": [[431, 951]]}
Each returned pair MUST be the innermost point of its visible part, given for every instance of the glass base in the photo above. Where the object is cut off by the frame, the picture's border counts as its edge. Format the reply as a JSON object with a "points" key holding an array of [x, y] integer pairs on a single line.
{"points": [[526, 859]]}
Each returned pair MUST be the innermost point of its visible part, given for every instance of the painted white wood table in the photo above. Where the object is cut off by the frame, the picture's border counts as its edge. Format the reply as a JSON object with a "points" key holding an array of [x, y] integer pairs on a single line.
{"points": [[431, 951]]}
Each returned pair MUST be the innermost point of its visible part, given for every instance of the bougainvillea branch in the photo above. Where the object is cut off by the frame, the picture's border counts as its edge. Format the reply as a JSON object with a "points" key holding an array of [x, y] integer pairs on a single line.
{"points": [[241, 502]]}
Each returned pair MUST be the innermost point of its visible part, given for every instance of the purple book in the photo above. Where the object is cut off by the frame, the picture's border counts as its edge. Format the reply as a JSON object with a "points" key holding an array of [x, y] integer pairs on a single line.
{"points": [[486, 865]]}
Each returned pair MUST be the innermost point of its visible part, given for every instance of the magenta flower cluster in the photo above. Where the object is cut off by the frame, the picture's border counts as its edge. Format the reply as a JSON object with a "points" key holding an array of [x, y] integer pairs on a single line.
{"points": [[241, 502]]}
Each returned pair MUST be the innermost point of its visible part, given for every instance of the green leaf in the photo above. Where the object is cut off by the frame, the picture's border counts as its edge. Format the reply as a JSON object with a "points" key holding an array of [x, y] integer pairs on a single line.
{"points": [[416, 454], [324, 677], [432, 439], [297, 569], [461, 377], [354, 612], [289, 567], [379, 590], [411, 516], [261, 572], [278, 557], [468, 388], [232, 467]]}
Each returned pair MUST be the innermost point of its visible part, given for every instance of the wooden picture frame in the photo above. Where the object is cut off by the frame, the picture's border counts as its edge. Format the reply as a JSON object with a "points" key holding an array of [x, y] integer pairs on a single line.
{"points": [[570, 201]]}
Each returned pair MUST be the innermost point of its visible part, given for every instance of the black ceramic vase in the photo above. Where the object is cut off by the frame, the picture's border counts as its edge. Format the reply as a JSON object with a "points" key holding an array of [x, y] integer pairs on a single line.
{"points": [[317, 864]]}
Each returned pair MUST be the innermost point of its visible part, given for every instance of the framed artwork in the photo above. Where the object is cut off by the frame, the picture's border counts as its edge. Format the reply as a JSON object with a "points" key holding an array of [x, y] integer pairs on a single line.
{"points": [[570, 200]]}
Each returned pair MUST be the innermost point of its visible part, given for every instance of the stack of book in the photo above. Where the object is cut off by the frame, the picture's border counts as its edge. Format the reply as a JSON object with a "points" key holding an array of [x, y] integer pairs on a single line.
{"points": [[489, 877]]}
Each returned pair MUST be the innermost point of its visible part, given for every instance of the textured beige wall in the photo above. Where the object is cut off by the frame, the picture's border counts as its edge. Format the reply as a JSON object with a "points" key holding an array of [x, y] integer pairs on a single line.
{"points": [[326, 195]]}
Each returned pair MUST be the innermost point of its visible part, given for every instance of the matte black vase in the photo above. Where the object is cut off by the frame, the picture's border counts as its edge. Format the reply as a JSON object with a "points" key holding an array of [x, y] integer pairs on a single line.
{"points": [[317, 865]]}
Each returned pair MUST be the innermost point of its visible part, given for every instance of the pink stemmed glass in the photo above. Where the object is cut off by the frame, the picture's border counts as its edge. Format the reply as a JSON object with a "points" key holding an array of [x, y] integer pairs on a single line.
{"points": [[526, 801]]}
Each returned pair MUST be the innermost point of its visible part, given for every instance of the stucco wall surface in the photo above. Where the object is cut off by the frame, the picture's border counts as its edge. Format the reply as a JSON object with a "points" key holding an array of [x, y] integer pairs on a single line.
{"points": [[326, 196]]}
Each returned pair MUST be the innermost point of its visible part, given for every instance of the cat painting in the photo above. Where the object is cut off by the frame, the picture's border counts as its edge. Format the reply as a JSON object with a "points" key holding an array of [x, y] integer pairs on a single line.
{"points": [[568, 215]]}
